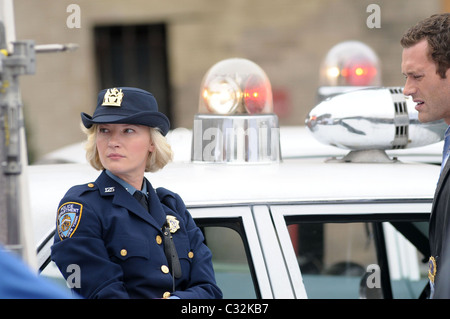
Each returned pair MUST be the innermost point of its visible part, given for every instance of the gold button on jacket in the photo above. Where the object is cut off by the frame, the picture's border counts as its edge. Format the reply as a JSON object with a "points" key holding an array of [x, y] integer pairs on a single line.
{"points": [[165, 269], [166, 295]]}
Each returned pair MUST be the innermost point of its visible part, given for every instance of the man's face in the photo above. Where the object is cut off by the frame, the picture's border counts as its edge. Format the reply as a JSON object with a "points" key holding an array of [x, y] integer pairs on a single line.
{"points": [[424, 85]]}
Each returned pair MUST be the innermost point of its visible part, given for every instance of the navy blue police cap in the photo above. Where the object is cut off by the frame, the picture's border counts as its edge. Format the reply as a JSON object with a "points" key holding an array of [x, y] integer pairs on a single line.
{"points": [[126, 105]]}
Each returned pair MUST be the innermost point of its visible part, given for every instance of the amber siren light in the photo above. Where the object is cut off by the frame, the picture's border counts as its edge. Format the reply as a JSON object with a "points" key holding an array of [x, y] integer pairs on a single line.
{"points": [[235, 122]]}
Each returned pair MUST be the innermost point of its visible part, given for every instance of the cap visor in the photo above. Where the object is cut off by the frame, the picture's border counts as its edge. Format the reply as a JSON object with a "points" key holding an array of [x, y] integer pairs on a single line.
{"points": [[151, 119]]}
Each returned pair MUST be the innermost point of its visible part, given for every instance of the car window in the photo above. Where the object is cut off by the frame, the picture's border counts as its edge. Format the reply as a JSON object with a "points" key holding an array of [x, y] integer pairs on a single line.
{"points": [[333, 257], [343, 260], [408, 248], [370, 249], [231, 265]]}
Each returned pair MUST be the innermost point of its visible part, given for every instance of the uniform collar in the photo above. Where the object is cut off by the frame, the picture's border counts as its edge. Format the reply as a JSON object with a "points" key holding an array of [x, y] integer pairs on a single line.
{"points": [[108, 186], [130, 189]]}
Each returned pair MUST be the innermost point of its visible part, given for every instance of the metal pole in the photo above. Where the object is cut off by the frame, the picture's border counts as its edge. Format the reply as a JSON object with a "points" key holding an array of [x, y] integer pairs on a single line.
{"points": [[16, 58], [5, 6]]}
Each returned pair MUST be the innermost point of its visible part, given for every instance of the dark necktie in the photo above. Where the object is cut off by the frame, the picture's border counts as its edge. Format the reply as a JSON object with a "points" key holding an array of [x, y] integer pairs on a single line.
{"points": [[169, 246], [141, 199]]}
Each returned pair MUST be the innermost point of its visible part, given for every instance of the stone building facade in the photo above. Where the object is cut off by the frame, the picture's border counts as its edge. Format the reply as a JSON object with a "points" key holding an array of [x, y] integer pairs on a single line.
{"points": [[287, 38]]}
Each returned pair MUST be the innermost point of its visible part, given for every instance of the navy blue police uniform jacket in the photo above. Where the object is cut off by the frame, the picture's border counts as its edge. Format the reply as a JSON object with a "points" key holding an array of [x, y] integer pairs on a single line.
{"points": [[116, 244]]}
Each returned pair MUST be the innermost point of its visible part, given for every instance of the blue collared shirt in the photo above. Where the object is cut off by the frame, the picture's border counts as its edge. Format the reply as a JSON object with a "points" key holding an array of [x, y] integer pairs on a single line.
{"points": [[446, 150], [130, 189]]}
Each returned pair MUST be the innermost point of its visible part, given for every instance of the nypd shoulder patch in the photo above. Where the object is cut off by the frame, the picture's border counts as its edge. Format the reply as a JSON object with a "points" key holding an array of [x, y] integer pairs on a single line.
{"points": [[68, 219]]}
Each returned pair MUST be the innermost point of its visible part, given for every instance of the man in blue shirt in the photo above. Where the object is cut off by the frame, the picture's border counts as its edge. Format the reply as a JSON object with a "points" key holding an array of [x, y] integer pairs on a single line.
{"points": [[17, 281], [426, 67]]}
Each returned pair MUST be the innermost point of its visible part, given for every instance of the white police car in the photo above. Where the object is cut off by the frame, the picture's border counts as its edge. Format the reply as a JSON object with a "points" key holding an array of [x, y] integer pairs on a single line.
{"points": [[289, 227]]}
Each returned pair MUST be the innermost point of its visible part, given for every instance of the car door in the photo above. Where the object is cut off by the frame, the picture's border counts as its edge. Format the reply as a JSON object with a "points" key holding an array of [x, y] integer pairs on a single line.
{"points": [[230, 233], [238, 260], [367, 249]]}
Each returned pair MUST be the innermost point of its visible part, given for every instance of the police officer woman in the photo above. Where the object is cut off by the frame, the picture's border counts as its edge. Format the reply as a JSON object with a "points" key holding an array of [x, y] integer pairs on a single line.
{"points": [[127, 239]]}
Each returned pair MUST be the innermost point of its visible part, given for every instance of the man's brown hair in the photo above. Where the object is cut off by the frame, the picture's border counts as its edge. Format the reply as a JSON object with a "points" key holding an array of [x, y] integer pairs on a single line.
{"points": [[436, 30]]}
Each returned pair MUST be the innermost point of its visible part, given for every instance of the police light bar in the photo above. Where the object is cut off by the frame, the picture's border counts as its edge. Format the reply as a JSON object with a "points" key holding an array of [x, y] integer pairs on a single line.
{"points": [[372, 119], [235, 121]]}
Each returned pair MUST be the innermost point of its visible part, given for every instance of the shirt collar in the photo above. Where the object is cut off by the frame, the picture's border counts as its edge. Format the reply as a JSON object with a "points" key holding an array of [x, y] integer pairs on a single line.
{"points": [[447, 132], [130, 189]]}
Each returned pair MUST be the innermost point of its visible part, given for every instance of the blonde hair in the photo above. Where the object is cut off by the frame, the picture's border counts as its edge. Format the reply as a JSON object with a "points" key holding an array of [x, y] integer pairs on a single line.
{"points": [[156, 160]]}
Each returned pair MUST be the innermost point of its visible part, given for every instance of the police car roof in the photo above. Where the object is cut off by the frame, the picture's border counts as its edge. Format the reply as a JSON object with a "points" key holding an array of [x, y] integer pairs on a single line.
{"points": [[295, 142], [206, 185]]}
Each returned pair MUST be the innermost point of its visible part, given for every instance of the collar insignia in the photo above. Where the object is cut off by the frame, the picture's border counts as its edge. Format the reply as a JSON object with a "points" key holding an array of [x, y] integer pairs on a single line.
{"points": [[113, 97]]}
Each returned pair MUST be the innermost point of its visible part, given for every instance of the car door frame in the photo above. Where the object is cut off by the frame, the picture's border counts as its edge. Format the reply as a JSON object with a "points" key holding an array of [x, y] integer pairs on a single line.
{"points": [[376, 211]]}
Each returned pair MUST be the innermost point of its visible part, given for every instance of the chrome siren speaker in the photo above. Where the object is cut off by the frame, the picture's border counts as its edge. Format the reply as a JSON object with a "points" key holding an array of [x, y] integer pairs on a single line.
{"points": [[372, 119]]}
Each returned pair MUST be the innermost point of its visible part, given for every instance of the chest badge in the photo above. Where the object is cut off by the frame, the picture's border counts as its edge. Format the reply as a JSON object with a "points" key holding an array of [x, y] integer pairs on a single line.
{"points": [[173, 222], [432, 269]]}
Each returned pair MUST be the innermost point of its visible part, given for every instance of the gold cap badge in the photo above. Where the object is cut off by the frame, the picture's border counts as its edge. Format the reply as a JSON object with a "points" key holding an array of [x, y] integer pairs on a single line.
{"points": [[113, 97]]}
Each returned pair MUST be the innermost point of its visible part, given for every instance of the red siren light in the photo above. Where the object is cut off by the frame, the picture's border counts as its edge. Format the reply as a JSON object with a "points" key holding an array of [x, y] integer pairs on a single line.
{"points": [[359, 74], [255, 95], [350, 63]]}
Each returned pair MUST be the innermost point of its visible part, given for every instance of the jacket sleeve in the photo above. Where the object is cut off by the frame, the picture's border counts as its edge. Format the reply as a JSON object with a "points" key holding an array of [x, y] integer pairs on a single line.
{"points": [[442, 287], [80, 253], [202, 283]]}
